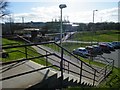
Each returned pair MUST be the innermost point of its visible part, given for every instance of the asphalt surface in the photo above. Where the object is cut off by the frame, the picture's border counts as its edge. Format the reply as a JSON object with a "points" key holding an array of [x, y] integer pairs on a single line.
{"points": [[115, 55]]}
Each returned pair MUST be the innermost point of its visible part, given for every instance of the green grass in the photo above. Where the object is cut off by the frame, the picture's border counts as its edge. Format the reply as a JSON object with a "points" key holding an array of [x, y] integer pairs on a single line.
{"points": [[100, 36], [112, 82], [19, 55], [70, 47]]}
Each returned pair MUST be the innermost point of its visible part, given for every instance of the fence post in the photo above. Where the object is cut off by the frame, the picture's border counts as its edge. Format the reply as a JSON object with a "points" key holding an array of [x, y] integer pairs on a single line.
{"points": [[94, 78], [26, 52], [81, 72], [61, 67], [64, 65], [46, 59]]}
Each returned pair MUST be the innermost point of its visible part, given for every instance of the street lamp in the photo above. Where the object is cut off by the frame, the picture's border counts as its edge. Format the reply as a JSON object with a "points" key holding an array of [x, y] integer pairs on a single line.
{"points": [[61, 6], [92, 26], [94, 14], [92, 32]]}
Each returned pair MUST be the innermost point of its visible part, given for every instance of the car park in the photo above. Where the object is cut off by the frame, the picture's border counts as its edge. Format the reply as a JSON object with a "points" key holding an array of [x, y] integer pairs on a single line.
{"points": [[110, 46], [104, 48], [116, 44], [81, 52], [91, 51], [97, 49]]}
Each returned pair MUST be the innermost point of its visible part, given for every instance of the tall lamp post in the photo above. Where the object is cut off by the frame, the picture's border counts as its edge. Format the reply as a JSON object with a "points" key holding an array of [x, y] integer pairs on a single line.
{"points": [[93, 23], [94, 14], [61, 6], [92, 33]]}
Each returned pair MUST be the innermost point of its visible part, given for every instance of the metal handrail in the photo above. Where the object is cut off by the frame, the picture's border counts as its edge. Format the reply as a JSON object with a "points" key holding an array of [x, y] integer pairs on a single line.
{"points": [[6, 63], [17, 75], [74, 64], [44, 56], [10, 44], [74, 56], [63, 49], [79, 74], [32, 43]]}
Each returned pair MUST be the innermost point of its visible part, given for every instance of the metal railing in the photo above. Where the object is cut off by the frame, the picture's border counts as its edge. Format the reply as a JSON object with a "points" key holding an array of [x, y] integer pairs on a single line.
{"points": [[94, 74]]}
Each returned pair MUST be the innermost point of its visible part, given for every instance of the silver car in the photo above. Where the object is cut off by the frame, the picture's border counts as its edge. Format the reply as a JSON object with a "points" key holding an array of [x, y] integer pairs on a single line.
{"points": [[81, 52]]}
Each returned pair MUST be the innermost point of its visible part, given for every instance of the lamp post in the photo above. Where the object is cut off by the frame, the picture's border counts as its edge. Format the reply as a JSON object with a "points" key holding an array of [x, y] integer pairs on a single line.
{"points": [[94, 14], [92, 33], [61, 6], [92, 26]]}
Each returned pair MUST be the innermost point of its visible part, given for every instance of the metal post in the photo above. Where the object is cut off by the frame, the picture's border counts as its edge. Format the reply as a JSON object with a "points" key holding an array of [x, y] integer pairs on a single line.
{"points": [[94, 78], [93, 15], [64, 65], [61, 6], [81, 72], [61, 28], [61, 67], [46, 59], [68, 67]]}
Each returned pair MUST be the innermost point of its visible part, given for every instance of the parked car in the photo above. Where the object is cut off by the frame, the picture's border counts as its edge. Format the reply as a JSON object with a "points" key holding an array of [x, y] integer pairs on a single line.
{"points": [[81, 52], [91, 51], [97, 49], [116, 44], [110, 46], [104, 48]]}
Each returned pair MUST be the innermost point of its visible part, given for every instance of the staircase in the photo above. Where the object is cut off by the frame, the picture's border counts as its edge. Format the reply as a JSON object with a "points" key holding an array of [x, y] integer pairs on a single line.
{"points": [[71, 71], [54, 82]]}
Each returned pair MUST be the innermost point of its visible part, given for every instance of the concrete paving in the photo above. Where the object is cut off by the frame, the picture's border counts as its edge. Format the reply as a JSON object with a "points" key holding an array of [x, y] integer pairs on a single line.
{"points": [[26, 80]]}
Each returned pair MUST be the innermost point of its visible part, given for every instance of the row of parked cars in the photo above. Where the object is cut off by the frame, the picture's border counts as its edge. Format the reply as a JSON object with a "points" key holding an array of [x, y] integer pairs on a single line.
{"points": [[94, 50]]}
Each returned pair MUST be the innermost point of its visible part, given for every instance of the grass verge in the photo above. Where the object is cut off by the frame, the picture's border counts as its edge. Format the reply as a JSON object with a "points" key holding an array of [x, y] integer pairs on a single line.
{"points": [[100, 36], [16, 52]]}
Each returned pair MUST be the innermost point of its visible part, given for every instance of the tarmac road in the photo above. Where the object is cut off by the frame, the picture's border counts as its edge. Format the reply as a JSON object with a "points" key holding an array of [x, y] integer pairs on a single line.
{"points": [[114, 55]]}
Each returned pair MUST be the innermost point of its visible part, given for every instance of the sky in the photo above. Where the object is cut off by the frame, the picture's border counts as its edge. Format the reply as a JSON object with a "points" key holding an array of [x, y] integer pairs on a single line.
{"points": [[76, 11]]}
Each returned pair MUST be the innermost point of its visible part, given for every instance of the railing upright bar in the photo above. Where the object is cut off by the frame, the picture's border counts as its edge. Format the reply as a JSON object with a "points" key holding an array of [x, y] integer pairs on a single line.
{"points": [[94, 78], [73, 55], [68, 68], [46, 59], [81, 72]]}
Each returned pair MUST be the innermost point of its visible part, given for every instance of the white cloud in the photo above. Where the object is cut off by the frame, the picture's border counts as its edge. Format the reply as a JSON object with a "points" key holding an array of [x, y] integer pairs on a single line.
{"points": [[108, 14], [45, 14], [39, 14]]}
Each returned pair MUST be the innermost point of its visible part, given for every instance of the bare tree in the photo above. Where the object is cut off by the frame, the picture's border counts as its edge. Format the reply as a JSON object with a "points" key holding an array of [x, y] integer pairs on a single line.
{"points": [[3, 8]]}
